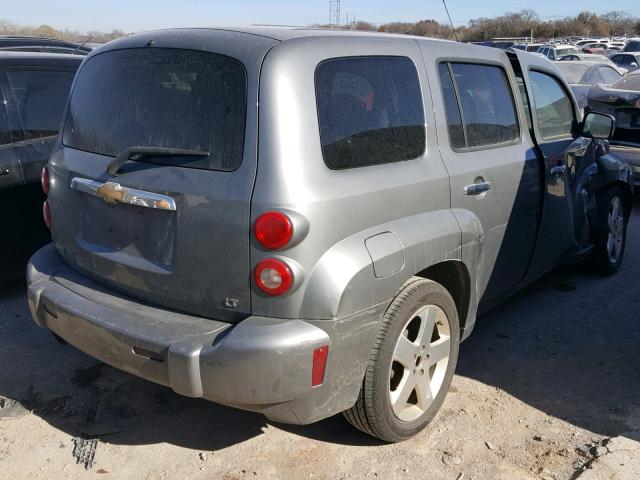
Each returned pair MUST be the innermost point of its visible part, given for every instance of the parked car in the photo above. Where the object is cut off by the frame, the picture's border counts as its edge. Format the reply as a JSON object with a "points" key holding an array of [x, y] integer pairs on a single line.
{"points": [[629, 61], [583, 75], [529, 47], [38, 44], [595, 48], [632, 46], [34, 88], [554, 52], [622, 101], [583, 42], [587, 57], [328, 251]]}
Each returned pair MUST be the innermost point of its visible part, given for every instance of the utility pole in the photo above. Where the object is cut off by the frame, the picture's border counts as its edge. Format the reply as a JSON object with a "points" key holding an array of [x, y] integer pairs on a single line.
{"points": [[334, 13]]}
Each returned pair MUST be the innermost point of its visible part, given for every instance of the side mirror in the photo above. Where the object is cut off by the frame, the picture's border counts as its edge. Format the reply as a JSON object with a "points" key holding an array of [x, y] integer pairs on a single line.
{"points": [[633, 64], [599, 126]]}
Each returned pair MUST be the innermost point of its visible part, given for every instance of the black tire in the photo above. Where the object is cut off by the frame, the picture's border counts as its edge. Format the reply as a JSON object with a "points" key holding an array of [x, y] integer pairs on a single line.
{"points": [[373, 412], [600, 259]]}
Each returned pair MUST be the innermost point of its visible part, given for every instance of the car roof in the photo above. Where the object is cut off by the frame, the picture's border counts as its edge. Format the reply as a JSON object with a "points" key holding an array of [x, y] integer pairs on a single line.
{"points": [[284, 33]]}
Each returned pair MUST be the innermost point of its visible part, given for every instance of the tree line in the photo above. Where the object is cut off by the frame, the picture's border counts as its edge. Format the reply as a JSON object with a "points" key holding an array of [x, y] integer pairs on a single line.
{"points": [[525, 23]]}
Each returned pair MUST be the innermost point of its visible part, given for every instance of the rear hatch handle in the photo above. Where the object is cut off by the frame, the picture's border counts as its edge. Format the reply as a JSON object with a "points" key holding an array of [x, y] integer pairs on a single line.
{"points": [[114, 166]]}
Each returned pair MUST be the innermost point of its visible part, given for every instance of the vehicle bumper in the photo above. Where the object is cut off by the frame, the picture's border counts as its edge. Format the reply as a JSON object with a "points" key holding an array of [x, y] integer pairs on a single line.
{"points": [[631, 155], [260, 364]]}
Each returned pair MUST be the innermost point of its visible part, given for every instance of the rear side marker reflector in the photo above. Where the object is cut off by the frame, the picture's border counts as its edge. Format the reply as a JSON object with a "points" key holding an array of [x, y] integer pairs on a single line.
{"points": [[143, 352], [45, 180], [46, 213], [319, 364]]}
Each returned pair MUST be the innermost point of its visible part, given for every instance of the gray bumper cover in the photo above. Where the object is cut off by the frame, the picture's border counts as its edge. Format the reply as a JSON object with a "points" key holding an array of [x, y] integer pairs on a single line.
{"points": [[260, 364]]}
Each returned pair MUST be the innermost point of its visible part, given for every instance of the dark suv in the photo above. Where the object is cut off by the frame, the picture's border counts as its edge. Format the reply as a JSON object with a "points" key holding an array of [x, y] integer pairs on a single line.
{"points": [[33, 88]]}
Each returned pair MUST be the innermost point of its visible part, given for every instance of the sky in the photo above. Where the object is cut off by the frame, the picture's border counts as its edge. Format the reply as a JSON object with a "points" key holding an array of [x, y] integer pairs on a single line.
{"points": [[136, 15]]}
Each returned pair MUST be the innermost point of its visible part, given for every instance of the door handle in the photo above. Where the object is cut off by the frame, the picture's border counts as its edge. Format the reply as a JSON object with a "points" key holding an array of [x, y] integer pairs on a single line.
{"points": [[4, 171], [558, 170], [477, 188]]}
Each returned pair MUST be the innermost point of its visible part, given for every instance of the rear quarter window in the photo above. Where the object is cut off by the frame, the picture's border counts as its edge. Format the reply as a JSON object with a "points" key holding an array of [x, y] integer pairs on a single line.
{"points": [[369, 111], [157, 97]]}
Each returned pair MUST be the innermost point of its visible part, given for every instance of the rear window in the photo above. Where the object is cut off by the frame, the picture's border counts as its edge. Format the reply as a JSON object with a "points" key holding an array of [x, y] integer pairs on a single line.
{"points": [[40, 95], [633, 46], [628, 82], [566, 51], [573, 72], [369, 111], [156, 97]]}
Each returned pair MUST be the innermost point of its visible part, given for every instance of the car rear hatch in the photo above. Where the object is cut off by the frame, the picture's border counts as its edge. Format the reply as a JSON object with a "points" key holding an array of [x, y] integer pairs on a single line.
{"points": [[151, 184]]}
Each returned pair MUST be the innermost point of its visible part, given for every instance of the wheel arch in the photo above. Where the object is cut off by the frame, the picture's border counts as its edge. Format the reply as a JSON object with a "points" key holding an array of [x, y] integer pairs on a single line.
{"points": [[454, 276]]}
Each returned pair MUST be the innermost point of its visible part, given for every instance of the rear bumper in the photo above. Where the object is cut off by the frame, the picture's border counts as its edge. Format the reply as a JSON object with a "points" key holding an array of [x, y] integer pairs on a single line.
{"points": [[260, 364]]}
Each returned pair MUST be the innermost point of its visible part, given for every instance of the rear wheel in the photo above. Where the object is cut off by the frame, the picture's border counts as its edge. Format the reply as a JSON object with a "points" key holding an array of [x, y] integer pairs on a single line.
{"points": [[610, 231], [412, 363]]}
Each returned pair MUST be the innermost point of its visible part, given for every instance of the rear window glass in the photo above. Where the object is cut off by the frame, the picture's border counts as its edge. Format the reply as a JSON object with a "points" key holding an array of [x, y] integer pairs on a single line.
{"points": [[573, 72], [487, 104], [40, 96], [628, 82], [156, 97], [369, 111]]}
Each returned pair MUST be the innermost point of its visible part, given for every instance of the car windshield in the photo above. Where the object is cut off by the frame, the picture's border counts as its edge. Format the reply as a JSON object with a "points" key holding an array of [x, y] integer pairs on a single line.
{"points": [[629, 82], [573, 72]]}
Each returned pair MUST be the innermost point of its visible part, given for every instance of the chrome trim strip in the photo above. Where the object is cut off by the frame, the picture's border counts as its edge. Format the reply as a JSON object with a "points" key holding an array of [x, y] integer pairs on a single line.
{"points": [[112, 192]]}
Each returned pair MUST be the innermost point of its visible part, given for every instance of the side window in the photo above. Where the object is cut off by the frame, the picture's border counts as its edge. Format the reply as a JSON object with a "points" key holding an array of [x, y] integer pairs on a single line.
{"points": [[487, 105], [369, 111], [40, 96], [452, 109], [553, 107], [620, 59], [525, 101], [5, 130]]}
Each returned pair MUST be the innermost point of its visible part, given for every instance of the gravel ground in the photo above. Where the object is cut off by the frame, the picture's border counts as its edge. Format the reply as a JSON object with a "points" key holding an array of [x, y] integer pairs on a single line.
{"points": [[547, 387]]}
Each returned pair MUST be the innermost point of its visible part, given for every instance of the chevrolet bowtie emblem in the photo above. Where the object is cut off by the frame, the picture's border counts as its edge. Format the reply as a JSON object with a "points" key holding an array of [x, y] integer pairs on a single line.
{"points": [[111, 192]]}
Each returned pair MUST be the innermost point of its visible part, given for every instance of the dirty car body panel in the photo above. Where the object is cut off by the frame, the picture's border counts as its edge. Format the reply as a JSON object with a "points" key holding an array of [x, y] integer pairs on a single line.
{"points": [[153, 266]]}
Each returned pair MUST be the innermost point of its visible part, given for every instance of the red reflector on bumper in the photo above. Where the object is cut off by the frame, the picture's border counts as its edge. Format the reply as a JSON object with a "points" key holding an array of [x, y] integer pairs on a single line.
{"points": [[319, 364]]}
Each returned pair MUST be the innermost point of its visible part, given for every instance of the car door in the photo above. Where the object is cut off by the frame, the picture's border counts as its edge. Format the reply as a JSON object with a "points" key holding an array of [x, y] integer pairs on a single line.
{"points": [[38, 98], [10, 171], [567, 157], [491, 162]]}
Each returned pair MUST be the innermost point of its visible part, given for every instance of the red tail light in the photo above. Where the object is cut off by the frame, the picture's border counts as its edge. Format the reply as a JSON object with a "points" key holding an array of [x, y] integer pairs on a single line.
{"points": [[273, 276], [273, 230], [46, 213], [319, 364], [44, 179]]}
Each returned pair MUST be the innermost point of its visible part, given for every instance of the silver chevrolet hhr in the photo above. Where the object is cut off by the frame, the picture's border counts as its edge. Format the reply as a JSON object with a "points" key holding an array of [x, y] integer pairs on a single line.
{"points": [[302, 222]]}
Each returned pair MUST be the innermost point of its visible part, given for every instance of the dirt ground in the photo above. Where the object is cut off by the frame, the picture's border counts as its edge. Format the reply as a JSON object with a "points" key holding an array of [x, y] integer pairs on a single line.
{"points": [[547, 387]]}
